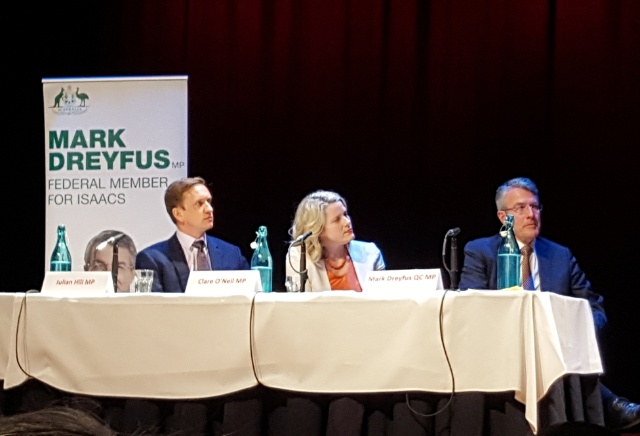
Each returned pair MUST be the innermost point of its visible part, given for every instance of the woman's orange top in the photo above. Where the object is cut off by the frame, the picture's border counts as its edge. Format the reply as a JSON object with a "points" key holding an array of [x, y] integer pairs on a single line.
{"points": [[347, 282]]}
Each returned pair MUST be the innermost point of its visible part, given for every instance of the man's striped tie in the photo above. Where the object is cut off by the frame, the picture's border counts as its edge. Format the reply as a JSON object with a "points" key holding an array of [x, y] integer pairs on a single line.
{"points": [[202, 259], [527, 278]]}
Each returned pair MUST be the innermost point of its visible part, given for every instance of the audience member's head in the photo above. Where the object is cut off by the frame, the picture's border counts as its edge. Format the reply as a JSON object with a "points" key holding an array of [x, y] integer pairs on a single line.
{"points": [[55, 421]]}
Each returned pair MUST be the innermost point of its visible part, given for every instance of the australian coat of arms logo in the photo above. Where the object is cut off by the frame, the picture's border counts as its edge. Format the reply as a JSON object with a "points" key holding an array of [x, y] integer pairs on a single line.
{"points": [[70, 101]]}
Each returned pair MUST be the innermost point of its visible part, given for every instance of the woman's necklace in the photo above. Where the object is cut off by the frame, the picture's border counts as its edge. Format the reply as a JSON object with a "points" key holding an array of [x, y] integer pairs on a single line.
{"points": [[337, 267]]}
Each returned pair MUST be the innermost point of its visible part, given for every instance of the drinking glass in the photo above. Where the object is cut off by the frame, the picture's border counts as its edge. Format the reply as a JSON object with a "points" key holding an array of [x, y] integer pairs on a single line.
{"points": [[143, 280], [292, 284]]}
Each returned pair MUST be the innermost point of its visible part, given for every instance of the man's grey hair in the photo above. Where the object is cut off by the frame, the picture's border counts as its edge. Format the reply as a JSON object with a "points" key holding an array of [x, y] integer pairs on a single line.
{"points": [[125, 242], [518, 182]]}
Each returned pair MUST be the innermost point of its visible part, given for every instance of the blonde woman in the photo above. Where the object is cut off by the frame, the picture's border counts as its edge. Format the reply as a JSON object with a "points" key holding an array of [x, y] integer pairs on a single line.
{"points": [[335, 259]]}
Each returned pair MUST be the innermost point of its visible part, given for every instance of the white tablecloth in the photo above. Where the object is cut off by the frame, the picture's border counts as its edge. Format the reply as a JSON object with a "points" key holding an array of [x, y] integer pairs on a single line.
{"points": [[179, 346], [6, 321], [140, 345], [496, 341]]}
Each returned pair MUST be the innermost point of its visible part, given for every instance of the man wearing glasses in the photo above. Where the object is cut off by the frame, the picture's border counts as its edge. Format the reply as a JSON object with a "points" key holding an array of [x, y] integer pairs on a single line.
{"points": [[552, 267], [98, 258]]}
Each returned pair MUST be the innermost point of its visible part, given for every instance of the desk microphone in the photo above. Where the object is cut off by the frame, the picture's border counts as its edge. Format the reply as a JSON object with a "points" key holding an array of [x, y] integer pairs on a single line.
{"points": [[112, 240], [453, 252], [114, 260], [303, 258], [453, 232], [300, 239]]}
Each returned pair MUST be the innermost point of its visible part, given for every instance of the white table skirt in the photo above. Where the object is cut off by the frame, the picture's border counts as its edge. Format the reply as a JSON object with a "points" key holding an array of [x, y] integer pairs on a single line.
{"points": [[496, 341], [179, 346], [6, 321], [139, 345]]}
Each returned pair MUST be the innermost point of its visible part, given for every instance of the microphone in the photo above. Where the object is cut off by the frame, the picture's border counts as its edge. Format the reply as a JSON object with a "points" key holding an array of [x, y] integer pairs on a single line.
{"points": [[303, 258], [112, 240], [453, 256], [300, 239], [453, 232], [453, 252]]}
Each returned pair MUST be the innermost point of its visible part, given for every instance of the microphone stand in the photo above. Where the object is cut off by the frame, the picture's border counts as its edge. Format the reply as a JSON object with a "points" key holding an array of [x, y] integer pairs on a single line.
{"points": [[303, 266], [114, 267], [453, 251], [453, 274]]}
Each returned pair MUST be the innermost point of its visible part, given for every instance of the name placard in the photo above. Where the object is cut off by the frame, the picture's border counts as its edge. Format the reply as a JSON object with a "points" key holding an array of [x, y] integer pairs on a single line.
{"points": [[246, 282], [77, 282], [404, 279]]}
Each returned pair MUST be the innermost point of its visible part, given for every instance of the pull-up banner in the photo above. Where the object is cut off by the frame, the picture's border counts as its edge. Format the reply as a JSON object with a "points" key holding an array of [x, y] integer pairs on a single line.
{"points": [[112, 146]]}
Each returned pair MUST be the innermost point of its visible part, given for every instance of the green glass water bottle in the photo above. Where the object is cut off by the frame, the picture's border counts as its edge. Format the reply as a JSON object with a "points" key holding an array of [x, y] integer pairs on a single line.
{"points": [[61, 258], [508, 256], [261, 259]]}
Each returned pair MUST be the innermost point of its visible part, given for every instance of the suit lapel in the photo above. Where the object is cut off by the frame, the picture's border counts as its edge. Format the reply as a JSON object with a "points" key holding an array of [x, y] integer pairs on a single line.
{"points": [[176, 255], [215, 256], [544, 262], [492, 262]]}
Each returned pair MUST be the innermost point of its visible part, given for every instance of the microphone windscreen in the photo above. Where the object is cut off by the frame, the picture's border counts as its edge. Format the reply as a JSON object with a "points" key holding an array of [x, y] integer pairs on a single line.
{"points": [[453, 232]]}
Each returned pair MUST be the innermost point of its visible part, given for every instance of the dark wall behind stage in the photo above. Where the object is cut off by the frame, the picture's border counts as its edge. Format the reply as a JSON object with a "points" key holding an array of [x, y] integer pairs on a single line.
{"points": [[415, 111]]}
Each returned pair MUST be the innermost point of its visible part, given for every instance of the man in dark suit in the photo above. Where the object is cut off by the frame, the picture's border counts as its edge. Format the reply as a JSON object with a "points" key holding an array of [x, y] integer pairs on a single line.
{"points": [[188, 203], [552, 267]]}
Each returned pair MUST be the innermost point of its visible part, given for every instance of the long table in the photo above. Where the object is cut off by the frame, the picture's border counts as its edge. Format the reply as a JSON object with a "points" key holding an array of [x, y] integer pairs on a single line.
{"points": [[137, 345], [180, 346]]}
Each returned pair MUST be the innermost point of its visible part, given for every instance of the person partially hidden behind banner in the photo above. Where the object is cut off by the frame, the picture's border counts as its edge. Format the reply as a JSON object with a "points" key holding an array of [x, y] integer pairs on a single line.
{"points": [[334, 259], [188, 203], [100, 258], [553, 268]]}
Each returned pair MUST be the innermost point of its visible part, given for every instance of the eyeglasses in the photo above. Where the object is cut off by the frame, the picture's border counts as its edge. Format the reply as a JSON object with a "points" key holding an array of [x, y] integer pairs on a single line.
{"points": [[521, 209], [99, 266]]}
